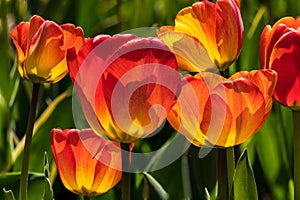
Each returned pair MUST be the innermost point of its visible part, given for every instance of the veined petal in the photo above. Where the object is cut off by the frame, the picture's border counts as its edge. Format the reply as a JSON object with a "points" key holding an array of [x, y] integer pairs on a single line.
{"points": [[289, 22], [186, 115], [35, 24], [247, 106], [64, 158], [73, 36], [286, 52], [264, 41], [199, 21], [90, 161], [264, 79], [19, 37], [137, 69], [75, 57], [190, 54], [229, 34], [230, 110], [45, 52], [218, 27]]}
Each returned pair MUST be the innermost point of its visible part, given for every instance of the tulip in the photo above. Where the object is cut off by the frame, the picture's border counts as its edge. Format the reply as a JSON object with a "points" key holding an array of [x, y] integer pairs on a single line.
{"points": [[230, 110], [280, 50], [217, 28], [41, 48], [125, 84], [87, 164]]}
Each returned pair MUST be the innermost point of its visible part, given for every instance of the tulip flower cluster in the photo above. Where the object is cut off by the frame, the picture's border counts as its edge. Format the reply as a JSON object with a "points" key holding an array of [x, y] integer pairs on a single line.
{"points": [[128, 85]]}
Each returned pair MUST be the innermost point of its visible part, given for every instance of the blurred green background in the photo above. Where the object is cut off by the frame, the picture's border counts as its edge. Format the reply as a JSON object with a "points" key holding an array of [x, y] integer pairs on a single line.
{"points": [[269, 151]]}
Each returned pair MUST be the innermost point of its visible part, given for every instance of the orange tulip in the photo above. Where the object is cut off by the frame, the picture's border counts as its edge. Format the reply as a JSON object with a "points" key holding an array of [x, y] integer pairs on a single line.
{"points": [[87, 164], [41, 47], [230, 110], [217, 28], [280, 50], [121, 80]]}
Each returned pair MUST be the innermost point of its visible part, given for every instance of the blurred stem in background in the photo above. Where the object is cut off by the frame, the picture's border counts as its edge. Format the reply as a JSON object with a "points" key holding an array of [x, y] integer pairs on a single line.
{"points": [[28, 140], [296, 121], [225, 169], [222, 175], [86, 198], [5, 63], [21, 10], [126, 176]]}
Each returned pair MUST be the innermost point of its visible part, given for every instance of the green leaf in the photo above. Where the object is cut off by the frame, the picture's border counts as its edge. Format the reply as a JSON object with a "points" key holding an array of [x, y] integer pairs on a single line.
{"points": [[38, 187], [8, 195], [57, 114], [207, 195], [244, 185], [157, 186]]}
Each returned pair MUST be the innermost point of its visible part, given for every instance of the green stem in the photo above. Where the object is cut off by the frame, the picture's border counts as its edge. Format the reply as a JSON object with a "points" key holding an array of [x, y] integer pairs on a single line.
{"points": [[28, 140], [126, 176], [226, 165], [296, 121], [86, 198], [222, 175], [230, 167]]}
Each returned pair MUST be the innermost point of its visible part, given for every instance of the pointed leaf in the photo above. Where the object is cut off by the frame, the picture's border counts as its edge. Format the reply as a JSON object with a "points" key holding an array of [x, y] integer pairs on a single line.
{"points": [[244, 185], [157, 186], [207, 195]]}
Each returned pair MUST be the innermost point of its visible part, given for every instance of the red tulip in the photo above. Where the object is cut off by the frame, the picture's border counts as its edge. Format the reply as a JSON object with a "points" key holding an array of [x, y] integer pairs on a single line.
{"points": [[121, 80], [41, 47], [280, 50], [87, 164], [230, 110], [217, 28]]}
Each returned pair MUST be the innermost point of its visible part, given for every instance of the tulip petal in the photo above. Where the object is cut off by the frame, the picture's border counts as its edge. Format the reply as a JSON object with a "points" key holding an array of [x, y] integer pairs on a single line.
{"points": [[286, 52], [187, 113], [231, 36], [45, 53], [64, 158], [230, 110], [264, 40], [195, 21], [19, 37], [85, 161], [247, 106], [133, 78], [35, 24], [190, 54], [75, 57], [206, 21], [73, 36]]}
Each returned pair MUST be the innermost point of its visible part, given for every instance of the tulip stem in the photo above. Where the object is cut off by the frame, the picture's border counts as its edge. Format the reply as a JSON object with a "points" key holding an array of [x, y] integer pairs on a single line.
{"points": [[28, 140], [86, 198], [226, 165], [126, 176], [222, 175], [296, 121]]}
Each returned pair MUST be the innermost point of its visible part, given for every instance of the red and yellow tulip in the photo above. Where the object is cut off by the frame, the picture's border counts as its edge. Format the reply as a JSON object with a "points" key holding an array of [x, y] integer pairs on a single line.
{"points": [[41, 48], [87, 164], [230, 110], [280, 50], [218, 28], [121, 80]]}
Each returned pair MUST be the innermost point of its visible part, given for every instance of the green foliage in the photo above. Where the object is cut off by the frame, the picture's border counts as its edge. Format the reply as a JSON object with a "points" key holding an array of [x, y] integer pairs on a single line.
{"points": [[244, 186], [38, 188]]}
